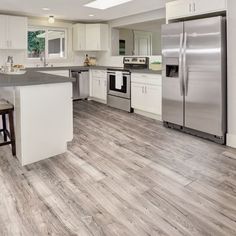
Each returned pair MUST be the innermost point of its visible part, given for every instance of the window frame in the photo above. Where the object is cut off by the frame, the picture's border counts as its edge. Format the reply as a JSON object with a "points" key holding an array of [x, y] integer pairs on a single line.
{"points": [[46, 29]]}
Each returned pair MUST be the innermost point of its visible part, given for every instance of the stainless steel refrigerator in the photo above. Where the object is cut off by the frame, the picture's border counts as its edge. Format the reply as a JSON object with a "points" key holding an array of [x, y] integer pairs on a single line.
{"points": [[194, 77]]}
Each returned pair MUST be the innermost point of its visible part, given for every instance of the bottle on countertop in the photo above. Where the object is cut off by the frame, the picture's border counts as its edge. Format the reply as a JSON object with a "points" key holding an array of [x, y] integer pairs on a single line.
{"points": [[9, 64], [86, 61]]}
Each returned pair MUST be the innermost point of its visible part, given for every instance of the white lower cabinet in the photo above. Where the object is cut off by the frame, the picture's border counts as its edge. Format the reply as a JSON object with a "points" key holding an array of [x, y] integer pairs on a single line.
{"points": [[146, 93], [98, 81]]}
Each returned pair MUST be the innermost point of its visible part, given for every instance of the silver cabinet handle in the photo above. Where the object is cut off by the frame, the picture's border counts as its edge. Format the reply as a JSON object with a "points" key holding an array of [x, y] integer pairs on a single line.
{"points": [[146, 89], [185, 68], [190, 7], [181, 82], [99, 82], [142, 89], [194, 7]]}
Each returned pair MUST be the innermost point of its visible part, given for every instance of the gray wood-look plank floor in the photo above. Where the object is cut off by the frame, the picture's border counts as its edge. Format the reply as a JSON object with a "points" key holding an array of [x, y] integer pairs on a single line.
{"points": [[123, 175]]}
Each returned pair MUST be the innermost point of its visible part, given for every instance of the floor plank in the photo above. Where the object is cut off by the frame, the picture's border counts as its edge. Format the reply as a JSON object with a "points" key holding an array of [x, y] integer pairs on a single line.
{"points": [[123, 175]]}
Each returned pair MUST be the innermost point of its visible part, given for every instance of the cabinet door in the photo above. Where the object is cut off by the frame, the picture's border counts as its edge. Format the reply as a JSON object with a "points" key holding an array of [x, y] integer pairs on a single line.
{"points": [[93, 37], [138, 96], [3, 30], [17, 32], [179, 9], [104, 89], [153, 99], [96, 91], [202, 6], [79, 34]]}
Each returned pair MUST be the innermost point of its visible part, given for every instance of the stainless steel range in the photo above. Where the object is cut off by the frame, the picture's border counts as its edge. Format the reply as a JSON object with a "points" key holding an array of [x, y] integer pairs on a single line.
{"points": [[119, 82]]}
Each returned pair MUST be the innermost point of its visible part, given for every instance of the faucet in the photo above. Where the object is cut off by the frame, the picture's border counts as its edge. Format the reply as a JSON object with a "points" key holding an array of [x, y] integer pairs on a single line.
{"points": [[43, 59]]}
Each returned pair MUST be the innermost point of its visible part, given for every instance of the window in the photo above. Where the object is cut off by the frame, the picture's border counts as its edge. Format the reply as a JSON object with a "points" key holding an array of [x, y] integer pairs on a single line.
{"points": [[51, 42]]}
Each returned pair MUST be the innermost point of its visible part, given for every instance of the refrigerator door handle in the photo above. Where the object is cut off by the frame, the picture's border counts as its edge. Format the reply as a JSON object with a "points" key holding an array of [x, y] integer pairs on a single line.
{"points": [[181, 65], [185, 64]]}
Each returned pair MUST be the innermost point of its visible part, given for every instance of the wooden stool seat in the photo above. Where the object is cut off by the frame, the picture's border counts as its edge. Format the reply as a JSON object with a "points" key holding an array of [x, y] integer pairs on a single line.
{"points": [[5, 105], [7, 108]]}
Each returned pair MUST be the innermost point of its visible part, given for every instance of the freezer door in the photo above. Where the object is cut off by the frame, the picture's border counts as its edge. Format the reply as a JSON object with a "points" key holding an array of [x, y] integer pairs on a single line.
{"points": [[172, 89], [204, 75]]}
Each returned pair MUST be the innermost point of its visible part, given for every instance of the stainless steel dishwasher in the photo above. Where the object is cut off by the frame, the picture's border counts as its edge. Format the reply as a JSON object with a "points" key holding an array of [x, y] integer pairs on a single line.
{"points": [[81, 84]]}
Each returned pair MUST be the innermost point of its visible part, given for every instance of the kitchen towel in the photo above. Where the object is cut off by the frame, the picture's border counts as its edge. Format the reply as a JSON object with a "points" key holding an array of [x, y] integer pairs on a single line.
{"points": [[119, 80]]}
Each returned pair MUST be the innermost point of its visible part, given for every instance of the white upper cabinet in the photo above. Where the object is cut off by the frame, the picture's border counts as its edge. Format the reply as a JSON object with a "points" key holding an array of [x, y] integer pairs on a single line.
{"points": [[90, 37], [13, 32], [79, 37], [3, 30], [187, 8]]}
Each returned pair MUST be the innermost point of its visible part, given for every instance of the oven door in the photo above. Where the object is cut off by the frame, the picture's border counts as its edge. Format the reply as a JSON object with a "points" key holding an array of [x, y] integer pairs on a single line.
{"points": [[123, 90]]}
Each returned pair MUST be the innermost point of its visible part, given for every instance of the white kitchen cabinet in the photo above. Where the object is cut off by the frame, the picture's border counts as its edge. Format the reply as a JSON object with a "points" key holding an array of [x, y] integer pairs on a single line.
{"points": [[146, 93], [3, 30], [187, 8], [98, 89], [13, 32], [138, 96], [96, 37], [79, 37], [178, 9], [90, 37]]}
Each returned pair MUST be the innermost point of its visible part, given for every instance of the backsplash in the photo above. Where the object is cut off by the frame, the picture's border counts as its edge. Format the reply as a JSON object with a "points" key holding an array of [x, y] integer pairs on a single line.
{"points": [[76, 58], [103, 58]]}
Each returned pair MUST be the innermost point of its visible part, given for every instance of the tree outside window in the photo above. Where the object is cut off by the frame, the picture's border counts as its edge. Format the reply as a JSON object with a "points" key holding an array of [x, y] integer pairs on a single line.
{"points": [[48, 42]]}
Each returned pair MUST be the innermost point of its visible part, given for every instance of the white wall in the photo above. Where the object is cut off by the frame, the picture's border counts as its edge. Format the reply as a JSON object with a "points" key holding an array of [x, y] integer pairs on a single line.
{"points": [[106, 58], [231, 137]]}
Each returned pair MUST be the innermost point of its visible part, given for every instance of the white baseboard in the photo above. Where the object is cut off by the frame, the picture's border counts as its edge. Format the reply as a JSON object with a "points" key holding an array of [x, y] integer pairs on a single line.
{"points": [[147, 114], [231, 140]]}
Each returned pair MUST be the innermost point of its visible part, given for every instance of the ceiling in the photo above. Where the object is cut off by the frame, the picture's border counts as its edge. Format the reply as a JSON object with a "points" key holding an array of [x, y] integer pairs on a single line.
{"points": [[74, 9]]}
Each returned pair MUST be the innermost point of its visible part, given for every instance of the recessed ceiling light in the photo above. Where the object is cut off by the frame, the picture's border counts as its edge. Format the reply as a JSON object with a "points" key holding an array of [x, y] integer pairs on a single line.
{"points": [[46, 9], [91, 15], [104, 4]]}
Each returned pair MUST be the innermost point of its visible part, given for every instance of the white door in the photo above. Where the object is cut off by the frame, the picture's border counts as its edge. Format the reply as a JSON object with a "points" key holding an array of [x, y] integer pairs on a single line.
{"points": [[17, 32], [143, 43], [96, 88], [202, 6], [104, 89], [138, 96], [3, 30], [93, 37], [153, 99], [79, 35], [178, 9]]}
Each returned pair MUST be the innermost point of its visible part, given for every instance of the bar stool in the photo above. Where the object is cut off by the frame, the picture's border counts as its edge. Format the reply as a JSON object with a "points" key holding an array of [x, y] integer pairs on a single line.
{"points": [[7, 108]]}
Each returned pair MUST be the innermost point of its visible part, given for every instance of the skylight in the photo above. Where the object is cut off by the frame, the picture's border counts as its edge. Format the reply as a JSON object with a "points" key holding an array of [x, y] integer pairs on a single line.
{"points": [[105, 4]]}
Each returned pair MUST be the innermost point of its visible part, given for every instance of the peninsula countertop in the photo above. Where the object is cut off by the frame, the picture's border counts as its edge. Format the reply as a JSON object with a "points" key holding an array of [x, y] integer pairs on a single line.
{"points": [[32, 77], [145, 71]]}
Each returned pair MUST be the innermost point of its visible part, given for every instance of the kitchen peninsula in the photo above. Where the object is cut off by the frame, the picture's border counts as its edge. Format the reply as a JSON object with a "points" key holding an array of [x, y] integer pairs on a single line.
{"points": [[43, 113]]}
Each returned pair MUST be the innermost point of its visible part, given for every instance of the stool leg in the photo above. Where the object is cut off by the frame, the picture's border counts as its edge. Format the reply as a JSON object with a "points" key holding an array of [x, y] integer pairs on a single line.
{"points": [[12, 133], [4, 126]]}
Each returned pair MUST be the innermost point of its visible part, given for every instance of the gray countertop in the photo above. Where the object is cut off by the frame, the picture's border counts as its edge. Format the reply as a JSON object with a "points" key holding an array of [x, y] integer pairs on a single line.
{"points": [[31, 77], [146, 71], [34, 77]]}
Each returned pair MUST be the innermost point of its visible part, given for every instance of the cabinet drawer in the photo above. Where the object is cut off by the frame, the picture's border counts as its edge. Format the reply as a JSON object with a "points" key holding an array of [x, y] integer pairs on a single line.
{"points": [[154, 79], [99, 73]]}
